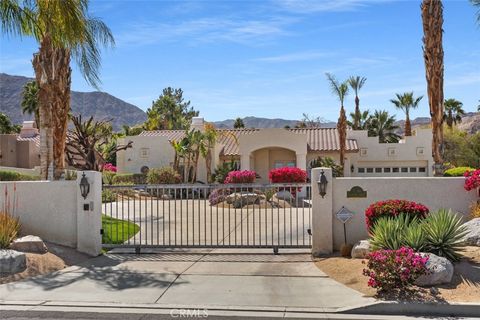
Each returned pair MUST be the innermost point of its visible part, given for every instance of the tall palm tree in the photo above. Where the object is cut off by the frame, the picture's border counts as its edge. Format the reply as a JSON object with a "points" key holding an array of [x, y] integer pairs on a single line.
{"points": [[30, 100], [406, 102], [477, 4], [453, 112], [63, 29], [341, 91], [382, 125], [356, 83], [432, 18]]}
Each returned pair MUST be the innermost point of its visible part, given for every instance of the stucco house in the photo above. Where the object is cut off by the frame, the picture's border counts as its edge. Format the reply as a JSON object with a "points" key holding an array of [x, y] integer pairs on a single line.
{"points": [[264, 149], [21, 150]]}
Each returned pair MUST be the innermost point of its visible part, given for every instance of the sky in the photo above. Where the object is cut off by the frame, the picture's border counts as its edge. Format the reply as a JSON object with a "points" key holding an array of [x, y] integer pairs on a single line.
{"points": [[269, 58]]}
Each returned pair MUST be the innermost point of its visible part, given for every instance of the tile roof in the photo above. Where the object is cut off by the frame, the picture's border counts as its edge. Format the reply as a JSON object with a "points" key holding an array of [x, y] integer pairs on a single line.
{"points": [[318, 139], [35, 139]]}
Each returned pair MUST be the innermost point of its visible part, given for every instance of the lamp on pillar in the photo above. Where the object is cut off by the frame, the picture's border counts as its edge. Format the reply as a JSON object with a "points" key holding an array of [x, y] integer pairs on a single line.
{"points": [[322, 184], [84, 186]]}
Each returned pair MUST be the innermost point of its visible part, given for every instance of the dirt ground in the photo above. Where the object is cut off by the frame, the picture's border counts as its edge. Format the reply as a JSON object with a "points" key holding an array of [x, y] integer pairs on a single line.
{"points": [[57, 258], [465, 285]]}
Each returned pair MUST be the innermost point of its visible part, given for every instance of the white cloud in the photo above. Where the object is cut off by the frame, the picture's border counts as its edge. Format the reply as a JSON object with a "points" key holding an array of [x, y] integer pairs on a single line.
{"points": [[206, 30], [297, 56], [314, 6]]}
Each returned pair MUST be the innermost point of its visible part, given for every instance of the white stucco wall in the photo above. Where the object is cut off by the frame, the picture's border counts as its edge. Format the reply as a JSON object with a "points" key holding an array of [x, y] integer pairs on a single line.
{"points": [[54, 211], [435, 193]]}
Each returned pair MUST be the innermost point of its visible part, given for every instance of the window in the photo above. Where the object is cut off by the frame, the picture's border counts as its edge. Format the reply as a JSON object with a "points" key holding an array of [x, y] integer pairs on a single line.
{"points": [[387, 170], [363, 152], [413, 169], [395, 169], [422, 169], [369, 170], [404, 170], [282, 164], [144, 152], [378, 170], [361, 170]]}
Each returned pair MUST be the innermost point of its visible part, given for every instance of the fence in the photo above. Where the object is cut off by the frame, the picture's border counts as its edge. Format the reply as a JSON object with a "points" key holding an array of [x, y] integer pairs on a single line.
{"points": [[207, 216]]}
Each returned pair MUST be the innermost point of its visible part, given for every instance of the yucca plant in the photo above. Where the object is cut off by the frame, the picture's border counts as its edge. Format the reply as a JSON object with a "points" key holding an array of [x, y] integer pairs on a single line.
{"points": [[9, 229], [414, 237], [444, 234], [387, 232]]}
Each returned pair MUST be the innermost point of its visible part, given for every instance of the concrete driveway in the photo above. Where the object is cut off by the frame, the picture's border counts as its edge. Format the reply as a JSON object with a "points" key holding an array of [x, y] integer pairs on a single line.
{"points": [[246, 279]]}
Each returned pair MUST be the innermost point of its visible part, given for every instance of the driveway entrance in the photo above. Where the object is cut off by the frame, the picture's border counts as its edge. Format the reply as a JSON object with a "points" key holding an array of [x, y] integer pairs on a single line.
{"points": [[207, 216]]}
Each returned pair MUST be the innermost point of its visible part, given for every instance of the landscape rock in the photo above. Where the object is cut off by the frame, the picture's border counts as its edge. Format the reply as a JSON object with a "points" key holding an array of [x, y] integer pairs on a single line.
{"points": [[279, 203], [239, 200], [284, 195], [12, 261], [440, 271], [473, 236], [361, 249], [29, 244]]}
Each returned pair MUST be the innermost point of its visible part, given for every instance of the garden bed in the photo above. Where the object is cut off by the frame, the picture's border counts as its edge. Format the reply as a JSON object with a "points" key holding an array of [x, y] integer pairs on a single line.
{"points": [[57, 258], [465, 286]]}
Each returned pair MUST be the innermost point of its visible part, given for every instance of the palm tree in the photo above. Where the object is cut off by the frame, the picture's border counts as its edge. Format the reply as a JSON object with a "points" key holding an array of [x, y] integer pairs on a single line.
{"points": [[356, 83], [341, 91], [238, 124], [432, 18], [382, 125], [30, 100], [63, 29], [477, 4], [406, 102], [453, 112], [362, 120]]}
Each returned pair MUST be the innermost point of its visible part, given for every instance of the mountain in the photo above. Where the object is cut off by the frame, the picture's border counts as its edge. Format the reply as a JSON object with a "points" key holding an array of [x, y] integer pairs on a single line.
{"points": [[101, 105], [470, 123], [254, 122]]}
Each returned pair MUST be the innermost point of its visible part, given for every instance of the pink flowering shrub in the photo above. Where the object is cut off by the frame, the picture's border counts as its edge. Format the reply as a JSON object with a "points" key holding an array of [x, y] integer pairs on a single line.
{"points": [[472, 180], [288, 175], [218, 195], [109, 167], [392, 208], [390, 270], [245, 176]]}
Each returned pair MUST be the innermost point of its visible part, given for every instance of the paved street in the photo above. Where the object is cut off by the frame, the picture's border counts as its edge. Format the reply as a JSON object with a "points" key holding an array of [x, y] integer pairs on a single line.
{"points": [[203, 278]]}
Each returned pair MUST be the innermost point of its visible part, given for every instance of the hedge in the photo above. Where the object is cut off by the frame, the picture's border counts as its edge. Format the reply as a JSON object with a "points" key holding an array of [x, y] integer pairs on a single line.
{"points": [[16, 176], [457, 172], [130, 178]]}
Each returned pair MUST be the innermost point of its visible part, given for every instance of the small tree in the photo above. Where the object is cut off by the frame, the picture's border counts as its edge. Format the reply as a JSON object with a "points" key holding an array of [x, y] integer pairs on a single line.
{"points": [[453, 112], [238, 124], [6, 126], [30, 101], [86, 141]]}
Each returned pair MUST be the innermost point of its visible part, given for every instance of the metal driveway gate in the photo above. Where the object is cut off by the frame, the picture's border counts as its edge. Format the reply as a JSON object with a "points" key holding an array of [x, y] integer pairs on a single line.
{"points": [[207, 216]]}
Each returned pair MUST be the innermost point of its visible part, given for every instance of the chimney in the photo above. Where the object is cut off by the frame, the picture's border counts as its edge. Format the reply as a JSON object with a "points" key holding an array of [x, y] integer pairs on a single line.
{"points": [[198, 123], [28, 129]]}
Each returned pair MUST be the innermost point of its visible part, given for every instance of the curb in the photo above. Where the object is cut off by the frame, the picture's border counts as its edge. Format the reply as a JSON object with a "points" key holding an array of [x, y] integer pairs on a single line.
{"points": [[417, 309]]}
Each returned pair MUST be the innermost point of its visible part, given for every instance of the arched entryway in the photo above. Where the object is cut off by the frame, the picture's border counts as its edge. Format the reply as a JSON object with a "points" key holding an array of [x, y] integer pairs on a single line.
{"points": [[265, 159]]}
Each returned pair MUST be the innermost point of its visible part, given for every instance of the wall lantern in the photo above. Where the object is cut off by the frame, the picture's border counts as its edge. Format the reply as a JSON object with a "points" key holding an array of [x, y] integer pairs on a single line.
{"points": [[84, 186], [352, 169], [322, 184]]}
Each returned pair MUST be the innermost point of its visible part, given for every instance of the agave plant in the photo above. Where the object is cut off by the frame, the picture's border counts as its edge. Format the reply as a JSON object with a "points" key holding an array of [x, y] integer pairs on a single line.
{"points": [[444, 234], [414, 237], [387, 232]]}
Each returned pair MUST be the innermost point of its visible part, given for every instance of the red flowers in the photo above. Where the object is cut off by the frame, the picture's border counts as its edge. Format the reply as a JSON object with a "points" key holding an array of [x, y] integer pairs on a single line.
{"points": [[245, 176], [394, 208], [109, 167], [394, 269], [472, 180], [287, 175]]}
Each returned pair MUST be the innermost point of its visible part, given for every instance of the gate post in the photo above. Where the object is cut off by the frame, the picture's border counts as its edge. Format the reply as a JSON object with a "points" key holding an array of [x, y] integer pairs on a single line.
{"points": [[322, 214], [89, 211]]}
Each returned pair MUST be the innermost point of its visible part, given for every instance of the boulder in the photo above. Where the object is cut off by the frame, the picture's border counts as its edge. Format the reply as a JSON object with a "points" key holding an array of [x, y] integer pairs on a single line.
{"points": [[29, 244], [12, 261], [284, 195], [239, 200], [361, 249], [279, 203], [440, 271], [473, 232]]}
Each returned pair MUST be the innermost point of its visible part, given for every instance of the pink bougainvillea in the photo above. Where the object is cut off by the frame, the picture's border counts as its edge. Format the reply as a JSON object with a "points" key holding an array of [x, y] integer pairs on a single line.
{"points": [[109, 167], [393, 208], [472, 180], [288, 175], [390, 270], [245, 176]]}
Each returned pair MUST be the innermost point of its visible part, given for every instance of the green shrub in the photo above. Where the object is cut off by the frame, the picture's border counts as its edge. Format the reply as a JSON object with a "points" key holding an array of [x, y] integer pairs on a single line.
{"points": [[444, 234], [327, 162], [222, 171], [9, 229], [441, 233], [457, 172], [129, 178], [108, 177], [108, 196], [16, 176], [165, 175]]}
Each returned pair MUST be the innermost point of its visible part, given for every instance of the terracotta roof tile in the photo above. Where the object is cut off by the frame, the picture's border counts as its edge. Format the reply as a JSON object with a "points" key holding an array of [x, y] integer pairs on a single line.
{"points": [[318, 139]]}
